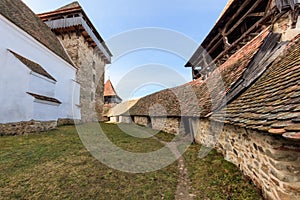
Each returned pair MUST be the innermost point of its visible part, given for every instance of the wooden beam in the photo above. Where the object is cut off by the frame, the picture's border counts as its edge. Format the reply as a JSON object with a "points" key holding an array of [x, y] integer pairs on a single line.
{"points": [[244, 17], [193, 72], [260, 14], [242, 37], [213, 41], [78, 32], [218, 40], [225, 39], [236, 14]]}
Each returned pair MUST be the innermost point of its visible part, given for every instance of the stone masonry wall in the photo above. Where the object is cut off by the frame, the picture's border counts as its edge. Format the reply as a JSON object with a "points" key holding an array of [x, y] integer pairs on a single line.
{"points": [[168, 125], [90, 75], [125, 119], [21, 128], [272, 162], [143, 121]]}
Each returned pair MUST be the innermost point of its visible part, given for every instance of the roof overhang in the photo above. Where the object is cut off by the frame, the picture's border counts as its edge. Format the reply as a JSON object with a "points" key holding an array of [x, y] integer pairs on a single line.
{"points": [[75, 20], [238, 24]]}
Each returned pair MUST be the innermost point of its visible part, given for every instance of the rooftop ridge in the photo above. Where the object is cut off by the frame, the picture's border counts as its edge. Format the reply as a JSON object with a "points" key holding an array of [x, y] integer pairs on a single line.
{"points": [[72, 5]]}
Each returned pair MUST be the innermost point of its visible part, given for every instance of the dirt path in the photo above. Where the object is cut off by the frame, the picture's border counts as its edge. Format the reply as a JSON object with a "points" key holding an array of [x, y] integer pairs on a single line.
{"points": [[184, 185]]}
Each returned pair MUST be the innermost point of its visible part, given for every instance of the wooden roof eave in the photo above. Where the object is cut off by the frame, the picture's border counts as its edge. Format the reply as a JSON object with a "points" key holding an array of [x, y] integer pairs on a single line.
{"points": [[215, 38], [48, 15]]}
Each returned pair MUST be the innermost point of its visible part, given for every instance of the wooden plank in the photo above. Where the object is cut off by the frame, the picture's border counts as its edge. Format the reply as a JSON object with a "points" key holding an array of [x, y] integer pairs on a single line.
{"points": [[222, 40]]}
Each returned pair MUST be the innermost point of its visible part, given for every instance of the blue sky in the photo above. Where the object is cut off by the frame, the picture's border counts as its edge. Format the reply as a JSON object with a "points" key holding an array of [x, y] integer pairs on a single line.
{"points": [[155, 57]]}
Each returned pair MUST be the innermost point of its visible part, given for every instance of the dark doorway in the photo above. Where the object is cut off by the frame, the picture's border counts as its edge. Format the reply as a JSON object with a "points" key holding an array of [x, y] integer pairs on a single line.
{"points": [[149, 123], [132, 118], [186, 125]]}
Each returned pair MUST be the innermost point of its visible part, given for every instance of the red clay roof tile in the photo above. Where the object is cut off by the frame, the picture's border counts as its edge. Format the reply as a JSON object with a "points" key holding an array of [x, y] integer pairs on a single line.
{"points": [[274, 97]]}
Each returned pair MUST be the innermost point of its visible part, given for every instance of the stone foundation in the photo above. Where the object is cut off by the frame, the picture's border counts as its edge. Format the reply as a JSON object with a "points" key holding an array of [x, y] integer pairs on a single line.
{"points": [[168, 125], [21, 128], [63, 122]]}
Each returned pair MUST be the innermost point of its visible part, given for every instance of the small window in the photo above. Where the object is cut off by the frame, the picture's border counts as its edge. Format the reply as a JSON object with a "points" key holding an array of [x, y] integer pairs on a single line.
{"points": [[94, 65]]}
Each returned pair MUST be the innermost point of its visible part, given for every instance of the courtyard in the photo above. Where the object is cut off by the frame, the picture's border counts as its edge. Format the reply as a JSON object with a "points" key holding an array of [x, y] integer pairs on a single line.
{"points": [[56, 165]]}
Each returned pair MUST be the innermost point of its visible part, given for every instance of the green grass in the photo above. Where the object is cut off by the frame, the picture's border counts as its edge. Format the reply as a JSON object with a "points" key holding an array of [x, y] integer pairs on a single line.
{"points": [[214, 178], [56, 165]]}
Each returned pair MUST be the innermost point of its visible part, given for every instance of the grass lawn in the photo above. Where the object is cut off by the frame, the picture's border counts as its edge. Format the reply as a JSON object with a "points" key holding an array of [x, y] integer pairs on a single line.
{"points": [[56, 165], [214, 178]]}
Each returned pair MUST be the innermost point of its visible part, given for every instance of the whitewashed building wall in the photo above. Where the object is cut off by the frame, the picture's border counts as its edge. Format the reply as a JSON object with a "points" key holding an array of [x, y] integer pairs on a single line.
{"points": [[17, 80]]}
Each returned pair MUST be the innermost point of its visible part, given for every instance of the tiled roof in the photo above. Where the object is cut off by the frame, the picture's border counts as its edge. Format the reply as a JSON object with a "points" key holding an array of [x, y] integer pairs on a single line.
{"points": [[268, 52], [199, 98], [272, 104], [19, 14], [33, 66], [109, 89], [122, 108], [44, 98]]}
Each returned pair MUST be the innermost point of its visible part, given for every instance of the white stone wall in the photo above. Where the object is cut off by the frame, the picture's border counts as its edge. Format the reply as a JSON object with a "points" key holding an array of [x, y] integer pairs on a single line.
{"points": [[16, 104], [17, 79], [114, 119], [41, 85]]}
